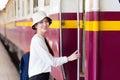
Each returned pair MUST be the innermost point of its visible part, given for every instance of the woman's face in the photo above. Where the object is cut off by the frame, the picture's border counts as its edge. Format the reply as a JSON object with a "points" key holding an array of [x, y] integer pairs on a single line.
{"points": [[42, 26]]}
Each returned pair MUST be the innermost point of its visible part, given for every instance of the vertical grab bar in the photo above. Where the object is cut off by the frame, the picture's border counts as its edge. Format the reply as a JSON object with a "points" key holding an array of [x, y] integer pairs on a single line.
{"points": [[60, 16], [78, 41]]}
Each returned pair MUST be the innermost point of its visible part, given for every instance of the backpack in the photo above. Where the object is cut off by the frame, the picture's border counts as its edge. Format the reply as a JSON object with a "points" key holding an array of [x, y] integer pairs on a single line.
{"points": [[23, 66]]}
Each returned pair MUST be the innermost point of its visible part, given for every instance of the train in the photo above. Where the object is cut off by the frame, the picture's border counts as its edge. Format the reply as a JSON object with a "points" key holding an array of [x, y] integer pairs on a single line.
{"points": [[91, 26]]}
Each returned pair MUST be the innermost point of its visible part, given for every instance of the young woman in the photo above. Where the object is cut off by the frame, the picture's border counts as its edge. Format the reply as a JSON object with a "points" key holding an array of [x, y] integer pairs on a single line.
{"points": [[41, 55]]}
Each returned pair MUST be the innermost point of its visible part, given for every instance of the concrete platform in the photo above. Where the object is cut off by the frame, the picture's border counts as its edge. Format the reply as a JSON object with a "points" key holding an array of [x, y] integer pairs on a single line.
{"points": [[7, 68]]}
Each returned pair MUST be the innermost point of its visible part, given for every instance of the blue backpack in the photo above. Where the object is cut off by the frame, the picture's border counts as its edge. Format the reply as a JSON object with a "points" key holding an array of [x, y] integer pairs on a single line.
{"points": [[23, 66]]}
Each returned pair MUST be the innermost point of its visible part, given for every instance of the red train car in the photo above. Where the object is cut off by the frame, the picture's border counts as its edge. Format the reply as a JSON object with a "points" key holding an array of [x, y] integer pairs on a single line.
{"points": [[91, 26]]}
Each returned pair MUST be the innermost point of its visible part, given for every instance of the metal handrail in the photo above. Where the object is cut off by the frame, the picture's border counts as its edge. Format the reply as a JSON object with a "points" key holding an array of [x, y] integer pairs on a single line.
{"points": [[78, 41], [60, 16]]}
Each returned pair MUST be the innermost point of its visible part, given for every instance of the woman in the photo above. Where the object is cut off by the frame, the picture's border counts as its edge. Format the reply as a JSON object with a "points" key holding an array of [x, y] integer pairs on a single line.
{"points": [[41, 55]]}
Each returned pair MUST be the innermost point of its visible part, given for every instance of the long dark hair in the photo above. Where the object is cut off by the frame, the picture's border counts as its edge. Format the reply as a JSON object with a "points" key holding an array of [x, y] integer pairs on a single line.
{"points": [[49, 48]]}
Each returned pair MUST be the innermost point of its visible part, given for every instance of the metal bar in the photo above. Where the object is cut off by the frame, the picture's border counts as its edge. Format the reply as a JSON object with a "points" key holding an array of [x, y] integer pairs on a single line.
{"points": [[78, 41], [60, 16]]}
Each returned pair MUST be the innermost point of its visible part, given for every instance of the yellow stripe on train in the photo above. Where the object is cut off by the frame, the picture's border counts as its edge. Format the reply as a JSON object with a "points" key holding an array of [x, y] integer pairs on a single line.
{"points": [[110, 25], [28, 24], [102, 25], [55, 24], [66, 24], [71, 24]]}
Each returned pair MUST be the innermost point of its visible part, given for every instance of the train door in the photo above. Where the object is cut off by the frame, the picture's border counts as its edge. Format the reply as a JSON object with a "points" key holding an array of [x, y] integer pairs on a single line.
{"points": [[71, 36]]}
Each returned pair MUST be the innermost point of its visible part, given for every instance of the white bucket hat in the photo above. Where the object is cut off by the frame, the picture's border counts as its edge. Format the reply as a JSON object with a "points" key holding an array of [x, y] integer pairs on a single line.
{"points": [[38, 16]]}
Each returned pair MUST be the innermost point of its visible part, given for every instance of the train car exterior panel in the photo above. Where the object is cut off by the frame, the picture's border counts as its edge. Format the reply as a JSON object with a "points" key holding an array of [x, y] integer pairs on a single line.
{"points": [[91, 53], [19, 34], [94, 34], [91, 39], [109, 55], [110, 16], [109, 35], [109, 44], [102, 34]]}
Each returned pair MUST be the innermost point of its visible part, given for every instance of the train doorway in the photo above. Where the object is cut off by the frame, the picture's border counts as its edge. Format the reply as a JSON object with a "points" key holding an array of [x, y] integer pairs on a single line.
{"points": [[71, 36]]}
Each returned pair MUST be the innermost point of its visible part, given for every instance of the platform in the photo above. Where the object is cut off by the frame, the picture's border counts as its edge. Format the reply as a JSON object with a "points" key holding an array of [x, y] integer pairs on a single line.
{"points": [[7, 68]]}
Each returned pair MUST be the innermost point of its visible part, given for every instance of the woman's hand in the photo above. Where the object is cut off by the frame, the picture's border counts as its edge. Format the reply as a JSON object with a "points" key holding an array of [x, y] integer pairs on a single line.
{"points": [[74, 56]]}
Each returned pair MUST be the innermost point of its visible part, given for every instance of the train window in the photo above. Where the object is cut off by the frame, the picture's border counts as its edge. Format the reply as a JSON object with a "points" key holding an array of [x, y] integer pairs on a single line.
{"points": [[46, 2], [28, 6], [15, 8], [18, 8], [35, 5], [22, 7]]}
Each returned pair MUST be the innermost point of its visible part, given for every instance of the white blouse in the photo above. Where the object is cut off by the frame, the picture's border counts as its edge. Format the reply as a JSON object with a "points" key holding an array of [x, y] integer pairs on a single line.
{"points": [[40, 58]]}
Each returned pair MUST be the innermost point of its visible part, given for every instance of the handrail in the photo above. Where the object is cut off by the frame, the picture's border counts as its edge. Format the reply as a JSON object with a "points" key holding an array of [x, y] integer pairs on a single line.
{"points": [[60, 16], [78, 41]]}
